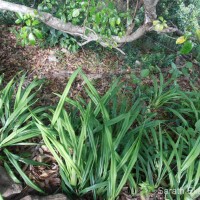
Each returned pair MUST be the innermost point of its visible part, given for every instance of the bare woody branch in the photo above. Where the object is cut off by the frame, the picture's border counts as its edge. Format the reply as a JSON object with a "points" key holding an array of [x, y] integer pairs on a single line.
{"points": [[115, 41]]}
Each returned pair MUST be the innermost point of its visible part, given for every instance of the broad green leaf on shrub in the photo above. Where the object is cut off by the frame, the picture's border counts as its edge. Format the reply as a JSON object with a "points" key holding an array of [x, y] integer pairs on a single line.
{"points": [[181, 40], [75, 13], [28, 22], [159, 27], [118, 21], [144, 73], [98, 18], [161, 18], [18, 21], [185, 72], [112, 22], [187, 47], [37, 33], [155, 22], [35, 22], [31, 38]]}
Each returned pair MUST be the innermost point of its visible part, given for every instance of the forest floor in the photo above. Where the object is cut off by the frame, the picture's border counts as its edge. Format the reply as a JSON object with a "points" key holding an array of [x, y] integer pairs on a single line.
{"points": [[56, 65]]}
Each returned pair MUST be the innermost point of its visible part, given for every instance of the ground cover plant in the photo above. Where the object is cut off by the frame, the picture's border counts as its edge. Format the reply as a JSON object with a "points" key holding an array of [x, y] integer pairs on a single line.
{"points": [[91, 156], [102, 144], [16, 125]]}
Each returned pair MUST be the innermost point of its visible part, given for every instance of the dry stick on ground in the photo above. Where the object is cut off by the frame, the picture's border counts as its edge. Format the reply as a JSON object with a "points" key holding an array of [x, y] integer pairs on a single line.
{"points": [[113, 41]]}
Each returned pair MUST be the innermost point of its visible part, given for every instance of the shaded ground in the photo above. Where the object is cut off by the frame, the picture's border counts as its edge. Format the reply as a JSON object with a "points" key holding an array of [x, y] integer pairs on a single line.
{"points": [[54, 64]]}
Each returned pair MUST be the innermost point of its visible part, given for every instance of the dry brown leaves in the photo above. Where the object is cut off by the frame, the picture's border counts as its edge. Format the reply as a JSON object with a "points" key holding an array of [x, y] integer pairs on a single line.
{"points": [[54, 64], [46, 176]]}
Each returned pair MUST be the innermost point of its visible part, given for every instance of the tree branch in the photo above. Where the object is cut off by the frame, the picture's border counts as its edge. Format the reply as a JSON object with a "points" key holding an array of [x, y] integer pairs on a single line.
{"points": [[134, 36], [150, 10], [46, 18], [115, 41]]}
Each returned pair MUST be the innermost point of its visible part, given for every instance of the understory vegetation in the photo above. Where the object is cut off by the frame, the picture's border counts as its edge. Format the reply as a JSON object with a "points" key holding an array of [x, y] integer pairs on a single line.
{"points": [[148, 140], [100, 99]]}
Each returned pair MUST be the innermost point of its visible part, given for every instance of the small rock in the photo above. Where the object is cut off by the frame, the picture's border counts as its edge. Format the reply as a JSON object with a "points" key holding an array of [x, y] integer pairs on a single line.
{"points": [[65, 51], [50, 197], [138, 63], [7, 186], [52, 58], [51, 52]]}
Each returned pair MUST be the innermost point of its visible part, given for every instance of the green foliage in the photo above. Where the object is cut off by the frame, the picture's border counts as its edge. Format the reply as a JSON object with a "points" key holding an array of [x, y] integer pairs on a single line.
{"points": [[189, 41], [64, 40], [16, 126], [33, 30], [157, 59], [102, 17], [90, 146], [188, 14], [144, 73], [160, 24], [30, 30], [142, 50], [99, 17], [94, 155], [148, 141], [187, 47], [168, 155], [7, 18], [160, 96], [185, 15]]}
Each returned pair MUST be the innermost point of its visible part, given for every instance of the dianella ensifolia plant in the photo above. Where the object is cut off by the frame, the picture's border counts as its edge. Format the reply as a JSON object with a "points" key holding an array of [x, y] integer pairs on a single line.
{"points": [[90, 141], [169, 155], [16, 125]]}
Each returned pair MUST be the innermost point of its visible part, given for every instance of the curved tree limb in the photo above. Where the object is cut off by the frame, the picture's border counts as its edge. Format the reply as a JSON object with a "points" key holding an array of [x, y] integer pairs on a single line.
{"points": [[46, 18], [150, 10], [56, 23]]}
